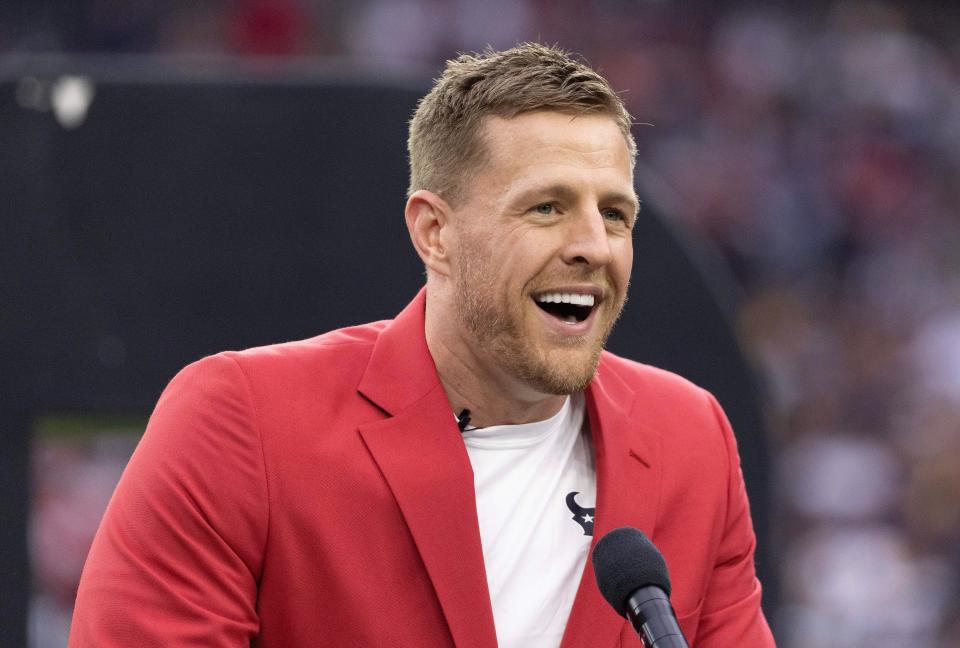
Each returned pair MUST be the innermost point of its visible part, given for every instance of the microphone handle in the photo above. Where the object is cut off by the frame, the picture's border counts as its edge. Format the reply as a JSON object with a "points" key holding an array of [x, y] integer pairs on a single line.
{"points": [[652, 616]]}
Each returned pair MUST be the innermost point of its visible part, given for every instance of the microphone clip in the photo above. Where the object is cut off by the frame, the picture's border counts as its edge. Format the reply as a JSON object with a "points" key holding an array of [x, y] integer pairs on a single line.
{"points": [[463, 420]]}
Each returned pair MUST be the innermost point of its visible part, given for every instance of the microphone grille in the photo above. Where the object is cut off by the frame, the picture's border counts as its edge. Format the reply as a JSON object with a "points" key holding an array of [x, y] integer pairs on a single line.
{"points": [[625, 560]]}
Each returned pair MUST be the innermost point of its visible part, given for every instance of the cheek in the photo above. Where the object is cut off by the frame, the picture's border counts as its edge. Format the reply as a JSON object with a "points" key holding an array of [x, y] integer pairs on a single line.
{"points": [[623, 263], [515, 264]]}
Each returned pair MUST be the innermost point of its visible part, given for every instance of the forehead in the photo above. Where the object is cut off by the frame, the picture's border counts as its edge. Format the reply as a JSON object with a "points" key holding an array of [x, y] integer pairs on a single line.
{"points": [[551, 139]]}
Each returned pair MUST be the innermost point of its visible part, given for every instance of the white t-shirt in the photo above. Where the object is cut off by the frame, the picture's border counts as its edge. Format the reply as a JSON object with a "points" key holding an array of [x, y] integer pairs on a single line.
{"points": [[533, 548]]}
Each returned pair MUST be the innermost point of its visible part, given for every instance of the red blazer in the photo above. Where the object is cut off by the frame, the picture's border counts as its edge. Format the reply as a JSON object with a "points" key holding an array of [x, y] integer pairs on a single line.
{"points": [[318, 493]]}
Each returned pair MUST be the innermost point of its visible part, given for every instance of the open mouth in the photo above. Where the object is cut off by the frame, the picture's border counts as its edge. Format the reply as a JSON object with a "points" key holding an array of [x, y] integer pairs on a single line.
{"points": [[567, 307]]}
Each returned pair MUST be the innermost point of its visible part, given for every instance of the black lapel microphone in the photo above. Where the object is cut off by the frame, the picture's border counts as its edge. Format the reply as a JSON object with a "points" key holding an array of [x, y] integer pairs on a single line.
{"points": [[632, 576], [463, 419]]}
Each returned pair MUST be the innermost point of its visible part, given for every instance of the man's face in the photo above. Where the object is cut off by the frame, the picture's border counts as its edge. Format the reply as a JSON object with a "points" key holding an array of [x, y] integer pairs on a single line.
{"points": [[544, 249]]}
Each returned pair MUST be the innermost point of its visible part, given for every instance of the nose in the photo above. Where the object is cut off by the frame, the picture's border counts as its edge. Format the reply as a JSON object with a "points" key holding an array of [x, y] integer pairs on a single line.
{"points": [[588, 241]]}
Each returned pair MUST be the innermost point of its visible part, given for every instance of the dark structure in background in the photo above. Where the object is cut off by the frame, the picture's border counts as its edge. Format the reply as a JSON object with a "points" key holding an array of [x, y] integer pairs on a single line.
{"points": [[187, 213]]}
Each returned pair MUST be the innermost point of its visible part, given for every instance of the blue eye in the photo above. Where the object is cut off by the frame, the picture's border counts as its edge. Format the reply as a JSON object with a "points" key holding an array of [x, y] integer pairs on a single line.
{"points": [[614, 214], [544, 208]]}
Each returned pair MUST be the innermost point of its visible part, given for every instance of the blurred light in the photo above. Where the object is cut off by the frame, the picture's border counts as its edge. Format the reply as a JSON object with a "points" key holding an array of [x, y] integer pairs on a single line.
{"points": [[840, 476], [936, 354], [71, 97], [861, 586]]}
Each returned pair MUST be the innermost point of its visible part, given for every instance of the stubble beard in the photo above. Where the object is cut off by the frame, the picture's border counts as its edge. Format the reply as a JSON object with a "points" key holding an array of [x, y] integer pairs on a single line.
{"points": [[498, 332]]}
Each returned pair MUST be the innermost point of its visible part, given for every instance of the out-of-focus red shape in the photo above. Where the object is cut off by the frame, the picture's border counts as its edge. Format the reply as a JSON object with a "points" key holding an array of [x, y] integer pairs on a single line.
{"points": [[268, 28]]}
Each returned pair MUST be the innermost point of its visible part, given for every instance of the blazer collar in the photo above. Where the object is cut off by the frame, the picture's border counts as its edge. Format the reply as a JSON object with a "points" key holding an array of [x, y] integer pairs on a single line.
{"points": [[628, 487], [419, 450], [401, 371]]}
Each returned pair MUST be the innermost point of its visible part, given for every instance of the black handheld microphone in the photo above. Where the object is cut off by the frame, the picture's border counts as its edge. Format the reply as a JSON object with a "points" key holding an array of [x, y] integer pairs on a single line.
{"points": [[632, 576]]}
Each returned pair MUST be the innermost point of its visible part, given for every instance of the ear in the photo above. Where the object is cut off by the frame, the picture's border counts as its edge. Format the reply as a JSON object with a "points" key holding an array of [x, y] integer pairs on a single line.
{"points": [[427, 214]]}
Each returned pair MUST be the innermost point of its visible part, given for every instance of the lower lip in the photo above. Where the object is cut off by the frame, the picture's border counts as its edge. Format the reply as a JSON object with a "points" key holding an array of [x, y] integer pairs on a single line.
{"points": [[570, 329]]}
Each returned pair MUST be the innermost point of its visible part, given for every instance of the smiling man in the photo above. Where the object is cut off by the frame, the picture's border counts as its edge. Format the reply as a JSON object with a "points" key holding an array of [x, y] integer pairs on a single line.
{"points": [[530, 265], [438, 479]]}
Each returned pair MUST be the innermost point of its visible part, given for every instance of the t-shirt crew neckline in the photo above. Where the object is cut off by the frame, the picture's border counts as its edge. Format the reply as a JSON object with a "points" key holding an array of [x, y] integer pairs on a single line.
{"points": [[521, 435]]}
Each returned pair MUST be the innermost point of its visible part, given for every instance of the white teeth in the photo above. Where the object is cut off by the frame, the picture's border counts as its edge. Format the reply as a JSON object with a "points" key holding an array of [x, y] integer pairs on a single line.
{"points": [[567, 298]]}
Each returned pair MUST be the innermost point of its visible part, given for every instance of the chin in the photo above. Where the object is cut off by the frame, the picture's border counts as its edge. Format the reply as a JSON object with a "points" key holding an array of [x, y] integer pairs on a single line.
{"points": [[561, 372]]}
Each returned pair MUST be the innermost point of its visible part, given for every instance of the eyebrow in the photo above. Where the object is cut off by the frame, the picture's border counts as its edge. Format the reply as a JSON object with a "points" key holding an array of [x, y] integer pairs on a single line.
{"points": [[564, 192]]}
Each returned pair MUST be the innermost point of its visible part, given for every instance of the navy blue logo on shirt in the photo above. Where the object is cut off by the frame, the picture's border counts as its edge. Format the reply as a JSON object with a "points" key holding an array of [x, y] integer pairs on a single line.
{"points": [[582, 516]]}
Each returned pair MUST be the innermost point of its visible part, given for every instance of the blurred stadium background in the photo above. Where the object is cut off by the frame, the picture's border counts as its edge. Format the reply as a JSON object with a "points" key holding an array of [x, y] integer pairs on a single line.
{"points": [[815, 146]]}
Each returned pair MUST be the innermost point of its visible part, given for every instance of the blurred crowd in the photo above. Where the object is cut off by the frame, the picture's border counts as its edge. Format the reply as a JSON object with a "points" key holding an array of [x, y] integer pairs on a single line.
{"points": [[818, 146]]}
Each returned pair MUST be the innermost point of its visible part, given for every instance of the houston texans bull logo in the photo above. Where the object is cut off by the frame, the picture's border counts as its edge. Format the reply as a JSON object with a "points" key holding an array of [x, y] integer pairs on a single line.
{"points": [[582, 516]]}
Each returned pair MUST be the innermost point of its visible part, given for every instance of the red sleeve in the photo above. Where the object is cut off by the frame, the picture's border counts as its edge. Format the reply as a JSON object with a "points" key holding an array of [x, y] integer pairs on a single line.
{"points": [[731, 614], [177, 557]]}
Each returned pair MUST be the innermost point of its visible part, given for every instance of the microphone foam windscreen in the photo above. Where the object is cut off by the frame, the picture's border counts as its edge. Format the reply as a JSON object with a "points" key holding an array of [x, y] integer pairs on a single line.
{"points": [[625, 560]]}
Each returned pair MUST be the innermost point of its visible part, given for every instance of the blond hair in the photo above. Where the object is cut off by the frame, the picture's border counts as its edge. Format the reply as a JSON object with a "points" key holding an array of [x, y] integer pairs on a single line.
{"points": [[445, 141]]}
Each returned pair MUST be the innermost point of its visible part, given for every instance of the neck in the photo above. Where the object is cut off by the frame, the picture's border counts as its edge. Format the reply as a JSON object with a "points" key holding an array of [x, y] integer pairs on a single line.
{"points": [[493, 397]]}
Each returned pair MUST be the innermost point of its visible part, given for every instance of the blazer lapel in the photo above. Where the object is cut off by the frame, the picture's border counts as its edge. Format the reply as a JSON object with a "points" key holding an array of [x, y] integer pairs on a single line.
{"points": [[422, 457], [628, 488]]}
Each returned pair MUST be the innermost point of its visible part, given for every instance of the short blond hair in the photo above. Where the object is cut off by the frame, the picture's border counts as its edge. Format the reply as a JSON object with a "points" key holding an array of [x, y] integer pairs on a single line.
{"points": [[445, 143]]}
